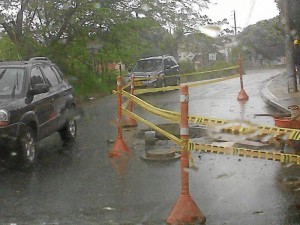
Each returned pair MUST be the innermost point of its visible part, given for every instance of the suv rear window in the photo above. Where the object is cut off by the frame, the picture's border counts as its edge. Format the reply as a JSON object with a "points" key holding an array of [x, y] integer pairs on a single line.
{"points": [[11, 81]]}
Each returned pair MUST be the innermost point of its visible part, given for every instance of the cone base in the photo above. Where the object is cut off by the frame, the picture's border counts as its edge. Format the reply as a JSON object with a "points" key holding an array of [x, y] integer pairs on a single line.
{"points": [[130, 122], [185, 211], [242, 95], [119, 148]]}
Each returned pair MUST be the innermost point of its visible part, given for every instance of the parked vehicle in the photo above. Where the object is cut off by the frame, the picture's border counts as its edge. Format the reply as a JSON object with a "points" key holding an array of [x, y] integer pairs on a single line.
{"points": [[35, 102], [156, 71]]}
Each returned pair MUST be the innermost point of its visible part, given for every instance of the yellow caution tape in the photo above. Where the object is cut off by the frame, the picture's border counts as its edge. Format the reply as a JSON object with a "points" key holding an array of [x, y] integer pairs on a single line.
{"points": [[198, 83], [209, 71], [153, 90], [173, 116], [286, 133], [158, 129], [277, 132], [192, 84], [145, 78], [126, 86], [125, 104], [204, 72], [192, 146], [248, 153], [207, 121], [186, 74]]}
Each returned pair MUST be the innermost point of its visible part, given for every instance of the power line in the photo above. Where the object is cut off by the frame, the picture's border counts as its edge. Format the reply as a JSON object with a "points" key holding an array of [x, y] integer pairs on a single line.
{"points": [[250, 12]]}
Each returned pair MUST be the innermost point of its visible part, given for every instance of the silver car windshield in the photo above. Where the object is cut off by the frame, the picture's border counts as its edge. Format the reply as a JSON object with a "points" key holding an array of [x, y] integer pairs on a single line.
{"points": [[11, 81], [148, 65]]}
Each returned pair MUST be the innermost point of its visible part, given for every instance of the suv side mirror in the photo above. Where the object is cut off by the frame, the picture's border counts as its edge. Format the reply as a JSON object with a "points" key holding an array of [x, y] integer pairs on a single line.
{"points": [[39, 89]]}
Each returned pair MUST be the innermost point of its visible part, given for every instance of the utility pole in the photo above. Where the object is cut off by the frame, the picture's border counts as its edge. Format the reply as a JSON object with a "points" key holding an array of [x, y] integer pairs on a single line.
{"points": [[290, 67], [234, 18]]}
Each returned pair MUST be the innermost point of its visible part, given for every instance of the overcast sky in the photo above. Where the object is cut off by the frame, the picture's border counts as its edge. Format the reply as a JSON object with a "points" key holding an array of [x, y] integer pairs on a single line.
{"points": [[261, 10]]}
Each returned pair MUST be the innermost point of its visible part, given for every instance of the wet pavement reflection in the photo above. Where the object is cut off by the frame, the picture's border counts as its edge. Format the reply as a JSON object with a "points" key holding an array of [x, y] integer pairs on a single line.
{"points": [[80, 185]]}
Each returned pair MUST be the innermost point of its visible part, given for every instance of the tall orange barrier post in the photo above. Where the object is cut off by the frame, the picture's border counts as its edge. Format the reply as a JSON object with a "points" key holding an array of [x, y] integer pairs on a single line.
{"points": [[119, 145], [242, 94], [185, 210], [129, 121]]}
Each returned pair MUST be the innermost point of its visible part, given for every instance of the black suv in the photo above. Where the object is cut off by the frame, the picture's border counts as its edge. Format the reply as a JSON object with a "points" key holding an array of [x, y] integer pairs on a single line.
{"points": [[35, 102], [156, 71]]}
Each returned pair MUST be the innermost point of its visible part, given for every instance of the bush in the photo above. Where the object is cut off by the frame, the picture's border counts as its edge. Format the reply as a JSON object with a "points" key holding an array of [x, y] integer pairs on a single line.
{"points": [[186, 67], [92, 84]]}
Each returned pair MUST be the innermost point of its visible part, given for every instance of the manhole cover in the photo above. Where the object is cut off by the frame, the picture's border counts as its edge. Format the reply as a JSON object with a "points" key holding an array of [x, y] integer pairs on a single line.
{"points": [[160, 155]]}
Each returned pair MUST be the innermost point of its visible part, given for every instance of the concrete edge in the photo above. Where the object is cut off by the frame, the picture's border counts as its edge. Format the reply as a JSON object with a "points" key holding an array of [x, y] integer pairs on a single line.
{"points": [[271, 99]]}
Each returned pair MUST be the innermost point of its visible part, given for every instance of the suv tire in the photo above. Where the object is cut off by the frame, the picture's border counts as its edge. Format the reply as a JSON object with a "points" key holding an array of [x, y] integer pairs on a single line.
{"points": [[27, 148], [69, 131]]}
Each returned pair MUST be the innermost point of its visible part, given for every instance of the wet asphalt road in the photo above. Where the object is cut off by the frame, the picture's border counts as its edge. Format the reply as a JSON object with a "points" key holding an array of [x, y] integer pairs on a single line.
{"points": [[80, 185]]}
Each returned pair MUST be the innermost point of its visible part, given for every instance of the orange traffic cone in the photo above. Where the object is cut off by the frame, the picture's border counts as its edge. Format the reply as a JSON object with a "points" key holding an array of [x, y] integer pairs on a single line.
{"points": [[242, 94], [119, 145]]}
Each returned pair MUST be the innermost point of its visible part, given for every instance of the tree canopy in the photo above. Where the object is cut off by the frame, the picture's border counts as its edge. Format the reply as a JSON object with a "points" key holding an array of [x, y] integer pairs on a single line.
{"points": [[293, 8], [36, 24], [264, 38]]}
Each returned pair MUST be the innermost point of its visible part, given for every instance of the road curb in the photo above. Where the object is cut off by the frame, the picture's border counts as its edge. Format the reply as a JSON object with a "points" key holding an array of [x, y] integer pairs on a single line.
{"points": [[271, 99]]}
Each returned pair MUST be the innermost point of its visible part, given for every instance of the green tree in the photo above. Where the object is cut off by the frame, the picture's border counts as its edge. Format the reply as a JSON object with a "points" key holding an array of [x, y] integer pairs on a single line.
{"points": [[294, 16], [127, 30], [264, 38]]}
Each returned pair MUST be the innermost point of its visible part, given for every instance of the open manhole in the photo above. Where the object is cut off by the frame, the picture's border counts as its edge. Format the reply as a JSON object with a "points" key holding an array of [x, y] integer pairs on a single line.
{"points": [[158, 148]]}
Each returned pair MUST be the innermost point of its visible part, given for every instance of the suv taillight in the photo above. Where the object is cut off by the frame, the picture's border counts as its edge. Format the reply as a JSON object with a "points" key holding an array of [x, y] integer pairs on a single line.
{"points": [[3, 117]]}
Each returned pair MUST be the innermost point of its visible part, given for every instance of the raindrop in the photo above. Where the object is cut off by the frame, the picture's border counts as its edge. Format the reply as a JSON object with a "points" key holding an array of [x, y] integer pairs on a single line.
{"points": [[108, 208], [258, 212]]}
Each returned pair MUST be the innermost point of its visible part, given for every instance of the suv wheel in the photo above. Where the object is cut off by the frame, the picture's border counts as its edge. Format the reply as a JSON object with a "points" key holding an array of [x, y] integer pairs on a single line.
{"points": [[27, 150], [69, 131]]}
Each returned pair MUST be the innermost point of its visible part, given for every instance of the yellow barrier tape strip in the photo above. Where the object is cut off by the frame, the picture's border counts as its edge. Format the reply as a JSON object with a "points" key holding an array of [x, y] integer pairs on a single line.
{"points": [[287, 133], [125, 104], [210, 71], [291, 134], [145, 78], [188, 74], [152, 90], [173, 116], [192, 84], [199, 83], [248, 153], [207, 121], [126, 86], [158, 129]]}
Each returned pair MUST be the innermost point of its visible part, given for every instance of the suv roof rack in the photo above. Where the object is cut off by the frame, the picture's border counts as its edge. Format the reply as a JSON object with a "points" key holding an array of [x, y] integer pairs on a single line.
{"points": [[39, 59]]}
